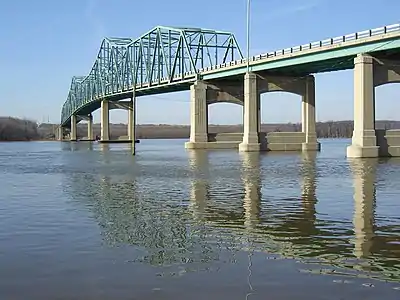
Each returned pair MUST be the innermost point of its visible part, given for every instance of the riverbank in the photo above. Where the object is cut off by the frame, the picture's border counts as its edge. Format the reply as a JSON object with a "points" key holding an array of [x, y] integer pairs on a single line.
{"points": [[13, 129], [331, 129]]}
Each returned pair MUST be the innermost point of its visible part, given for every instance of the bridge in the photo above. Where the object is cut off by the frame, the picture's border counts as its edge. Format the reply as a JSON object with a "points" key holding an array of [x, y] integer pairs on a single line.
{"points": [[211, 65]]}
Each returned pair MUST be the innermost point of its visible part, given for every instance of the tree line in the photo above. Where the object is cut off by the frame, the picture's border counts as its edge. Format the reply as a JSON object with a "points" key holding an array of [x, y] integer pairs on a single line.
{"points": [[14, 129]]}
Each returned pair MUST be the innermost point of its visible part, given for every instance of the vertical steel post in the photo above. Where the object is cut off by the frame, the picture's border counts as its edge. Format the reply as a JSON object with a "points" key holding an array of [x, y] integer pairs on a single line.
{"points": [[134, 124], [248, 36], [134, 104]]}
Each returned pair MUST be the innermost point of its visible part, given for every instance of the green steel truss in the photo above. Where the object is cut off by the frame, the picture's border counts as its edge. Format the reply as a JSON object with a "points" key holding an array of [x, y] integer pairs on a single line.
{"points": [[162, 56]]}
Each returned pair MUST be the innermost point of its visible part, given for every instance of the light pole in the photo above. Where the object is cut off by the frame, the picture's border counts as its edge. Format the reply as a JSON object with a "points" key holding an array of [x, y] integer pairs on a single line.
{"points": [[248, 36]]}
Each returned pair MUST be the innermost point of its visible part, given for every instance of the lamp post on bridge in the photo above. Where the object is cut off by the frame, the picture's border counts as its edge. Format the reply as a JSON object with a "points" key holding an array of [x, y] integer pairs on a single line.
{"points": [[248, 36]]}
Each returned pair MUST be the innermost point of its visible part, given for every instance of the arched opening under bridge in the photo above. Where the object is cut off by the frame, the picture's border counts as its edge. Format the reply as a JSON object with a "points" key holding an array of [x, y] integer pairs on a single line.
{"points": [[225, 122]]}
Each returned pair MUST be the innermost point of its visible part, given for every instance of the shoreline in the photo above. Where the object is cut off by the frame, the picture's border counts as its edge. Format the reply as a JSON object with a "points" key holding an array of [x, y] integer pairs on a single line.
{"points": [[15, 130], [123, 141]]}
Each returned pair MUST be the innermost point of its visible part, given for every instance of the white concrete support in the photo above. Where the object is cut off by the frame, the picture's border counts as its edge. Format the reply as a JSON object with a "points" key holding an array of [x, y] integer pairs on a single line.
{"points": [[105, 121], [90, 128], [308, 117], [198, 116], [364, 138], [251, 114], [131, 126], [60, 133], [73, 128]]}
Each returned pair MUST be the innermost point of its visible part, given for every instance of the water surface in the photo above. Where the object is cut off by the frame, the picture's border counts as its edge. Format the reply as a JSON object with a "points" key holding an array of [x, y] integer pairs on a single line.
{"points": [[90, 221]]}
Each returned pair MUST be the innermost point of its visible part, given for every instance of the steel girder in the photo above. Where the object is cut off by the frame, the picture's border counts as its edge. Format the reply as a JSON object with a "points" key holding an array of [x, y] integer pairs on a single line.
{"points": [[164, 55]]}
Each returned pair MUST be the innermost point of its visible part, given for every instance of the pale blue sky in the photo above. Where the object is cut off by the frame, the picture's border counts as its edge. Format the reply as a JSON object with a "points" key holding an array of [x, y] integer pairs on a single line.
{"points": [[46, 42]]}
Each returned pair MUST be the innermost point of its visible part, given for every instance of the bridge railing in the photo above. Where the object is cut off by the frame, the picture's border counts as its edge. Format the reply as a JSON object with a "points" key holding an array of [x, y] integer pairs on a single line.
{"points": [[380, 31]]}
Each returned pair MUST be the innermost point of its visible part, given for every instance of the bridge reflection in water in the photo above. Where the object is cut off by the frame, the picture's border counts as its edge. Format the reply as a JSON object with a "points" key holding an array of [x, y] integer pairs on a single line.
{"points": [[217, 209]]}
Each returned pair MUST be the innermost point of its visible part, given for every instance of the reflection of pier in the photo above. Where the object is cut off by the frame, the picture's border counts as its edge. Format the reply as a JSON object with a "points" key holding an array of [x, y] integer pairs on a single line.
{"points": [[370, 238], [133, 213], [309, 185], [199, 190], [295, 233], [300, 222], [251, 176], [364, 174]]}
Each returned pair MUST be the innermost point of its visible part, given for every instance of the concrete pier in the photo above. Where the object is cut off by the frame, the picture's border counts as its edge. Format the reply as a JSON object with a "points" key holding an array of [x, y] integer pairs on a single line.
{"points": [[370, 72], [198, 117], [247, 93], [90, 128], [105, 121], [364, 139], [251, 115], [364, 176], [73, 137], [60, 133], [308, 116]]}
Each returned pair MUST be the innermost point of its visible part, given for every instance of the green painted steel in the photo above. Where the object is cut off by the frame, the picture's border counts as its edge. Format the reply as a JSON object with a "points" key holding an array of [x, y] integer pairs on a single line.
{"points": [[324, 56], [161, 59], [169, 59]]}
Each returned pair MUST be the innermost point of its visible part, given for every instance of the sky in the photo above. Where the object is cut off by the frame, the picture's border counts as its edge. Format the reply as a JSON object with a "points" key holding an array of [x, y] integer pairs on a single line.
{"points": [[46, 42]]}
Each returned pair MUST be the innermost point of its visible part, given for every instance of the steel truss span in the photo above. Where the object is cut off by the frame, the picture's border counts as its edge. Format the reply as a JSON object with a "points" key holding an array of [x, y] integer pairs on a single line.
{"points": [[161, 57]]}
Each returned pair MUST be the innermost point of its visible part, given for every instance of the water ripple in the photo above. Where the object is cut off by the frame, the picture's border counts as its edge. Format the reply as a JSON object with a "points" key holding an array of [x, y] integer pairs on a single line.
{"points": [[195, 211]]}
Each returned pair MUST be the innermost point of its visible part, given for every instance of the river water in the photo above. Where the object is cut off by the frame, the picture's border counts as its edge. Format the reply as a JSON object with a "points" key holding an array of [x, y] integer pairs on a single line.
{"points": [[90, 221]]}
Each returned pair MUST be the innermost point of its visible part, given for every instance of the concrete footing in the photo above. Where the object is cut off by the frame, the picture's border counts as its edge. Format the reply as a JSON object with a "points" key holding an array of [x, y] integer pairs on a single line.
{"points": [[249, 147], [355, 151], [392, 151], [388, 142], [311, 146], [254, 147], [273, 141], [387, 145], [212, 145], [116, 141]]}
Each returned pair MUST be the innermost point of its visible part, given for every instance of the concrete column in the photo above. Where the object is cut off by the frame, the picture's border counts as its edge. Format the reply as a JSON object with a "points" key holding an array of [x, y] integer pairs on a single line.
{"points": [[308, 117], [105, 119], [198, 116], [90, 128], [364, 138], [60, 133], [73, 128], [251, 114], [131, 125]]}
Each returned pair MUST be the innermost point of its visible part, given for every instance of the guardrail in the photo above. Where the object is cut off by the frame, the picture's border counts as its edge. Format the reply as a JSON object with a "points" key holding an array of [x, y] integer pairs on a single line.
{"points": [[313, 45]]}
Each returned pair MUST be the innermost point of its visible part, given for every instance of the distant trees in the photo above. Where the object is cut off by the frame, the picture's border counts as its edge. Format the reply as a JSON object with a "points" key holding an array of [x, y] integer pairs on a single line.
{"points": [[13, 129], [329, 129]]}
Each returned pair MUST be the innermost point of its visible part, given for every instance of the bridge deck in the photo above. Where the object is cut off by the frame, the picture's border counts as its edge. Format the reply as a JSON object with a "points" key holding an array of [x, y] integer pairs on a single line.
{"points": [[114, 73], [332, 54]]}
